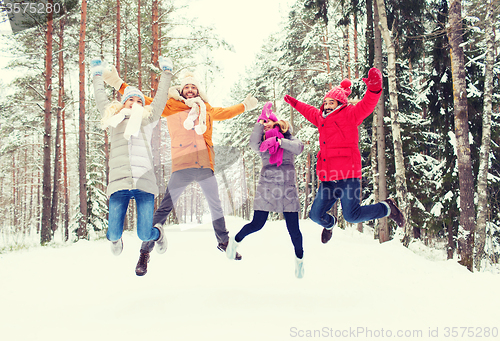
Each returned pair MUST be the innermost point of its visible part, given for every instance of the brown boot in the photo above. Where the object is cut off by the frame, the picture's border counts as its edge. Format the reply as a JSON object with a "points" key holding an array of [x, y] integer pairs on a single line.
{"points": [[395, 214], [326, 235], [142, 265]]}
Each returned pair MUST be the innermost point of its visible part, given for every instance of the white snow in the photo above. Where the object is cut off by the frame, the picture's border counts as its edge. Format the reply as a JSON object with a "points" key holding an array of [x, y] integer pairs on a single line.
{"points": [[353, 287]]}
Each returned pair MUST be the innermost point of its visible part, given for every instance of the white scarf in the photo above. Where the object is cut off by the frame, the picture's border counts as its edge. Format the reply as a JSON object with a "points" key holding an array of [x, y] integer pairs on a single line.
{"points": [[134, 121], [198, 110]]}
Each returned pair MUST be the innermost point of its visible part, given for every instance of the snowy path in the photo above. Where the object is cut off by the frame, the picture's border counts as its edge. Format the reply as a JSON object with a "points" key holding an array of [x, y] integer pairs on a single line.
{"points": [[353, 288]]}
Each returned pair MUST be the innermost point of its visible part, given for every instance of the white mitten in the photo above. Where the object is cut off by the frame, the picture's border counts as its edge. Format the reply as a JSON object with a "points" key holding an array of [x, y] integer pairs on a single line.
{"points": [[110, 76], [250, 102], [165, 64]]}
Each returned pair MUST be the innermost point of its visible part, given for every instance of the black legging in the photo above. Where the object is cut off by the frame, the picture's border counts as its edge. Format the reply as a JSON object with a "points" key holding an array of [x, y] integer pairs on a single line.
{"points": [[292, 224]]}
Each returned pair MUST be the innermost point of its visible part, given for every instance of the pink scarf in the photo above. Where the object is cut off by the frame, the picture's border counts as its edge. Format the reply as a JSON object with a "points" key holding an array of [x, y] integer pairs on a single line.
{"points": [[271, 144]]}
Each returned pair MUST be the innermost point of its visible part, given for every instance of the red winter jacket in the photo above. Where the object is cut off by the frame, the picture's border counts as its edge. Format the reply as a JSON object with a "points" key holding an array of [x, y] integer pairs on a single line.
{"points": [[339, 156]]}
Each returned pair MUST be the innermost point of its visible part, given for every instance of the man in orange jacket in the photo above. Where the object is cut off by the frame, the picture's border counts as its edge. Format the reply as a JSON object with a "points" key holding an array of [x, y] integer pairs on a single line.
{"points": [[190, 123]]}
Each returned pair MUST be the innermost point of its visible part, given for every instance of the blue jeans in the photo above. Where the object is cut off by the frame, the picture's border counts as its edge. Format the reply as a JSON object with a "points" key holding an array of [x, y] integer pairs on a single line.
{"points": [[349, 193], [292, 224], [118, 204]]}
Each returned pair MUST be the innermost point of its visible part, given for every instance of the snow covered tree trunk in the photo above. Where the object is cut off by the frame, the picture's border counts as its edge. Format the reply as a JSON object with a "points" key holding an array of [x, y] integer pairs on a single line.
{"points": [[383, 228], [482, 181], [401, 187], [118, 38], [139, 45], [82, 158], [466, 181], [46, 231]]}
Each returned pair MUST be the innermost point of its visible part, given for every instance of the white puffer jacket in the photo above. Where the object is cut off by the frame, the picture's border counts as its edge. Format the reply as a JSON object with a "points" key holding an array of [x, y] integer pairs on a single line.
{"points": [[131, 160]]}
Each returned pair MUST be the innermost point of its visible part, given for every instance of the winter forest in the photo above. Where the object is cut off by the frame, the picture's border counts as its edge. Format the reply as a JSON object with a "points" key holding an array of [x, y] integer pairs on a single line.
{"points": [[432, 142]]}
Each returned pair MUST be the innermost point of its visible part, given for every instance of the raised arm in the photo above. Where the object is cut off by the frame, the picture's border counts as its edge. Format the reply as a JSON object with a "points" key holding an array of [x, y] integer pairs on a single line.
{"points": [[159, 102], [308, 111], [101, 98]]}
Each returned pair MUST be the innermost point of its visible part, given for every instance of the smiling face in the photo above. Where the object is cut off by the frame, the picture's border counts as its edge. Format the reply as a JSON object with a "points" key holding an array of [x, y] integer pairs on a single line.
{"points": [[330, 104], [189, 91], [129, 102], [268, 125]]}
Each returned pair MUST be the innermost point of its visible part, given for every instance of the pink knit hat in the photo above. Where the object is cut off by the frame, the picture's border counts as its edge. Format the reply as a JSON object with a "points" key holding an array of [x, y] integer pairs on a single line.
{"points": [[340, 93], [267, 113]]}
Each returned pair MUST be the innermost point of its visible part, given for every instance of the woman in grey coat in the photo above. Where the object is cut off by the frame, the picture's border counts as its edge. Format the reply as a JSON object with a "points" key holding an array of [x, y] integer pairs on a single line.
{"points": [[276, 190], [130, 124]]}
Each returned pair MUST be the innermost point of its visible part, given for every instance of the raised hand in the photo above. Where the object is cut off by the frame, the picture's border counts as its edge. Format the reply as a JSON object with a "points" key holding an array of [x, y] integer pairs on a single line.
{"points": [[165, 64], [374, 80], [290, 100], [96, 67]]}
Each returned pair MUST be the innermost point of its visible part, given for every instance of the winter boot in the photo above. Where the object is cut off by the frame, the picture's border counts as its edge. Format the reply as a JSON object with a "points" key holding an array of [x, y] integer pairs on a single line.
{"points": [[299, 267], [142, 264], [161, 242], [231, 248], [223, 247], [394, 212], [117, 247], [326, 235]]}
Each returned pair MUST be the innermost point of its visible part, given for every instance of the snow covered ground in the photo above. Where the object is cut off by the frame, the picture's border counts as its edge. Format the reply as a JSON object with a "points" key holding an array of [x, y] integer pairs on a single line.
{"points": [[354, 288]]}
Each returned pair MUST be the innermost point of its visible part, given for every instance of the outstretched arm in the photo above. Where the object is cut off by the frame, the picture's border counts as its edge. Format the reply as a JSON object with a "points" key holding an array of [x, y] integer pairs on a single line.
{"points": [[161, 98], [308, 111], [221, 114]]}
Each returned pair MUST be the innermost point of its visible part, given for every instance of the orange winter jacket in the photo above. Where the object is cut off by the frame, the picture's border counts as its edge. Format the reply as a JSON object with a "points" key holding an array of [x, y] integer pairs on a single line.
{"points": [[188, 149]]}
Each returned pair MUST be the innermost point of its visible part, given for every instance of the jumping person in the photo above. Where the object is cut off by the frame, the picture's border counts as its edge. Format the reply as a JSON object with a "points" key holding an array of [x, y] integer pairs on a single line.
{"points": [[339, 159], [130, 124], [276, 190]]}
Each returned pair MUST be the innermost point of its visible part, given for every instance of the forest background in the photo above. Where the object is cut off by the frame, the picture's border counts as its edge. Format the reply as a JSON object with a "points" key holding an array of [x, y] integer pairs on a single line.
{"points": [[431, 143]]}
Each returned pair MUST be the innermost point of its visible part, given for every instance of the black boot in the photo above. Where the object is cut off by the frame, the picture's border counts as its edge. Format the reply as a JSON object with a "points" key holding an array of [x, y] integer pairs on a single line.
{"points": [[326, 235], [142, 265]]}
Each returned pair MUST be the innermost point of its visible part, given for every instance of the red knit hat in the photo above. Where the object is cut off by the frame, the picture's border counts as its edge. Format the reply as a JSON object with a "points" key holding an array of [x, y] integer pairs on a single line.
{"points": [[340, 93]]}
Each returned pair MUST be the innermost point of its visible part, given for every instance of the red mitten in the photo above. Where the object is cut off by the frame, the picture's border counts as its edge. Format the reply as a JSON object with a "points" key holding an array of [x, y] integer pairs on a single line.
{"points": [[290, 100], [374, 80]]}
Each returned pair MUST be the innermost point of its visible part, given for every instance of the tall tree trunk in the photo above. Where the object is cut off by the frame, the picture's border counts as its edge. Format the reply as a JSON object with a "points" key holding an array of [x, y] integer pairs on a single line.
{"points": [[383, 228], [118, 36], [155, 52], [401, 187], [139, 44], [482, 181], [355, 38], [82, 157], [466, 181], [46, 232]]}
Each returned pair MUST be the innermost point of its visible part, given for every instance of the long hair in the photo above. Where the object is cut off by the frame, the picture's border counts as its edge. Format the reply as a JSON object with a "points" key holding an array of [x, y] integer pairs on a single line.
{"points": [[284, 126]]}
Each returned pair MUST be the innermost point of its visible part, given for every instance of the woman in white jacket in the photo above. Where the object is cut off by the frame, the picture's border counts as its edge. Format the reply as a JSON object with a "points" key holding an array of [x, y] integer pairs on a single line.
{"points": [[131, 173]]}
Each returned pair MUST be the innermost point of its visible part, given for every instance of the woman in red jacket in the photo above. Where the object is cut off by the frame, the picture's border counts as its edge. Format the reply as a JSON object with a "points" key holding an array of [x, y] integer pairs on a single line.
{"points": [[339, 159]]}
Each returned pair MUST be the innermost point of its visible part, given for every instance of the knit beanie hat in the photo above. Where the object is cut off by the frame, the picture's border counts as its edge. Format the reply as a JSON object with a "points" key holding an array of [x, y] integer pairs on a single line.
{"points": [[189, 78], [267, 113], [131, 91], [340, 93]]}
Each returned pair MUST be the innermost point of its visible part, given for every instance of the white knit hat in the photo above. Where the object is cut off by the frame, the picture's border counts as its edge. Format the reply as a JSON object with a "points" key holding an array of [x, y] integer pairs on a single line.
{"points": [[131, 91], [189, 78]]}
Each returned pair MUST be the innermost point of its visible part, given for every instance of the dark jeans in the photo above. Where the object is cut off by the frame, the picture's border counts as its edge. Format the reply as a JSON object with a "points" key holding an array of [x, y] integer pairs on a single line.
{"points": [[349, 193], [292, 224]]}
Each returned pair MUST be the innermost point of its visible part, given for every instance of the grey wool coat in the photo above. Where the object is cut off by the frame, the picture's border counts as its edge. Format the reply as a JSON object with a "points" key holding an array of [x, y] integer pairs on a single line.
{"points": [[131, 161], [276, 190]]}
